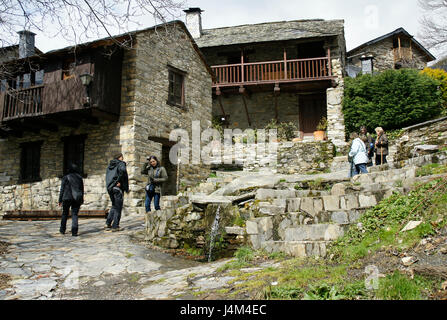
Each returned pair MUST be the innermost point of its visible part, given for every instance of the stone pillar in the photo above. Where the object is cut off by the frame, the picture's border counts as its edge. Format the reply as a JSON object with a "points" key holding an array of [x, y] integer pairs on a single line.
{"points": [[335, 117]]}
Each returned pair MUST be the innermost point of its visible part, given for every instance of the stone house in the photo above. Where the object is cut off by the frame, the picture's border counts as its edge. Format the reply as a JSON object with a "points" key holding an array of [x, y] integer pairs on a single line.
{"points": [[395, 50], [291, 71], [51, 115]]}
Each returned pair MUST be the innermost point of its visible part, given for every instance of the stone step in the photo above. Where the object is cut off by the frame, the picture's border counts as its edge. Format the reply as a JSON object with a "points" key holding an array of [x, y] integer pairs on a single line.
{"points": [[385, 176], [357, 200], [341, 217], [314, 232], [298, 249], [439, 157]]}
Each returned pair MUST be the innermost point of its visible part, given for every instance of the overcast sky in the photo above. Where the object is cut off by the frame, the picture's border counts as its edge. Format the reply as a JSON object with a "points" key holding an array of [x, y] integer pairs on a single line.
{"points": [[364, 19]]}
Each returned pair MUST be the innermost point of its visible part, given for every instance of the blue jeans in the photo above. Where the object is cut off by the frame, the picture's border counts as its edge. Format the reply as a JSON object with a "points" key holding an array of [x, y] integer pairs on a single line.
{"points": [[117, 197], [360, 168], [149, 197], [74, 216], [352, 170]]}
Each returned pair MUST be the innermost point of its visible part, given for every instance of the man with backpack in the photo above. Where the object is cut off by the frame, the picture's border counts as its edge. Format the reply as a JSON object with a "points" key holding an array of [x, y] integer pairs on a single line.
{"points": [[71, 195], [117, 182]]}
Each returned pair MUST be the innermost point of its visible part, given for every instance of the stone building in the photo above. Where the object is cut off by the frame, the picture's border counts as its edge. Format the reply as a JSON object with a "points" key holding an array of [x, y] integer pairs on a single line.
{"points": [[395, 50], [92, 101], [290, 71]]}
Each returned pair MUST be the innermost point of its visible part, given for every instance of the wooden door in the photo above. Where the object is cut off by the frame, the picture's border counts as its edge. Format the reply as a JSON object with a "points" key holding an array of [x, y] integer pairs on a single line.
{"points": [[312, 108]]}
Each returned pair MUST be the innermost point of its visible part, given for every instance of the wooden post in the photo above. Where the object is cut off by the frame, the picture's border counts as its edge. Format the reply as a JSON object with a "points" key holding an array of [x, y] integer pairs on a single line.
{"points": [[400, 51], [329, 61], [242, 91], [285, 64], [242, 66]]}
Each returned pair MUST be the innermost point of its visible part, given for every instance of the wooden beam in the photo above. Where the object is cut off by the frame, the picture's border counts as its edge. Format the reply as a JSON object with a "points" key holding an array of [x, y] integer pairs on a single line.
{"points": [[65, 121], [246, 110], [38, 124], [104, 115], [219, 99], [9, 131]]}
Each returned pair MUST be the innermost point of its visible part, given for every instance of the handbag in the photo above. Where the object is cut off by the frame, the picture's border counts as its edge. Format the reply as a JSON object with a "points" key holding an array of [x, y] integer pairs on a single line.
{"points": [[151, 187]]}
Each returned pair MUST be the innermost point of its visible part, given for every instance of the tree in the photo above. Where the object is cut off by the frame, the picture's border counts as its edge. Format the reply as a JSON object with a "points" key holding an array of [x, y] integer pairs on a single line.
{"points": [[80, 20], [434, 23]]}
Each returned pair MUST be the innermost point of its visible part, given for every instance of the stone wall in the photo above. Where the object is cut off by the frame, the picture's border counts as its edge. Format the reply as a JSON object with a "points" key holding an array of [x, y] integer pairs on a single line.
{"points": [[297, 158], [261, 109], [144, 113], [44, 195], [154, 117], [431, 133], [384, 56]]}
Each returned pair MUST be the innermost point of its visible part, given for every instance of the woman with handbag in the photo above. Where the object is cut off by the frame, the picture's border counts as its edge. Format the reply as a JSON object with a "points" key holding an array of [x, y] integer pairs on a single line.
{"points": [[157, 175]]}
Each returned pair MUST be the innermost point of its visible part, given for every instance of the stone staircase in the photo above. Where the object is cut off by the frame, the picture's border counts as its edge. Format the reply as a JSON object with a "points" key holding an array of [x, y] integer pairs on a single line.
{"points": [[296, 214], [303, 222]]}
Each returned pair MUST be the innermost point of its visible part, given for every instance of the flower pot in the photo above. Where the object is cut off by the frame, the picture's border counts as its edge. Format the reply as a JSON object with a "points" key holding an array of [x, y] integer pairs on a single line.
{"points": [[319, 135]]}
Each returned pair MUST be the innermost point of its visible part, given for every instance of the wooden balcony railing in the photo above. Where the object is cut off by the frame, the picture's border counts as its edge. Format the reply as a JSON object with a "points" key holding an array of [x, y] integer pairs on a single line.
{"points": [[53, 97], [272, 72], [24, 102]]}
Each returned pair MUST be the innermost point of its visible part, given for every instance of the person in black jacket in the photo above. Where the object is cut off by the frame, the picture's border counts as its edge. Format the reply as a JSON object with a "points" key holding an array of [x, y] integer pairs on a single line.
{"points": [[71, 195], [369, 145], [117, 182]]}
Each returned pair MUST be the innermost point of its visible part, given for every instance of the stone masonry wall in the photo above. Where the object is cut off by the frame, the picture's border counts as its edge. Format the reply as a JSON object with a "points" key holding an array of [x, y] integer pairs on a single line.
{"points": [[144, 113], [261, 109], [102, 142], [384, 56], [154, 117], [428, 134], [335, 117], [297, 158]]}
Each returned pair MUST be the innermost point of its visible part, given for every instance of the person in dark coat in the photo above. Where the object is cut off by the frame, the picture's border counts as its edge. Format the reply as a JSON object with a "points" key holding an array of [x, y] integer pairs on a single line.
{"points": [[381, 147], [157, 175], [117, 182], [71, 195]]}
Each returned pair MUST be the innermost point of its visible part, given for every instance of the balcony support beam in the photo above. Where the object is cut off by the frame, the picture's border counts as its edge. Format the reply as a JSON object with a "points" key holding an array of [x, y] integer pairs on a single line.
{"points": [[246, 109]]}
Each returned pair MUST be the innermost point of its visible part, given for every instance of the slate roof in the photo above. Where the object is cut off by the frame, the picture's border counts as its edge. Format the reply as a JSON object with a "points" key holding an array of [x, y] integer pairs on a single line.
{"points": [[270, 31]]}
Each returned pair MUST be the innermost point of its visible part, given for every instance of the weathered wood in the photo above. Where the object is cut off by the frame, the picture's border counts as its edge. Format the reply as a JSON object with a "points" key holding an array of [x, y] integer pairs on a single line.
{"points": [[50, 214]]}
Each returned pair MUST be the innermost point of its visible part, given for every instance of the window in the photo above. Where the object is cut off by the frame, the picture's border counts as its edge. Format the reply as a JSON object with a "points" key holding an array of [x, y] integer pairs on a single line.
{"points": [[176, 87], [74, 152], [68, 67], [30, 162]]}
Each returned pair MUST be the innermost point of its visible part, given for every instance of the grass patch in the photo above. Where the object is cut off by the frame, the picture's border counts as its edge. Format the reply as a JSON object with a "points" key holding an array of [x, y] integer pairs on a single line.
{"points": [[380, 226], [400, 287], [431, 169]]}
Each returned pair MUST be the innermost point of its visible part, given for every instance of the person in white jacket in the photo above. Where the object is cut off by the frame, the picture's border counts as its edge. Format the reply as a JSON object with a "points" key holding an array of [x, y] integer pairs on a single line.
{"points": [[359, 154]]}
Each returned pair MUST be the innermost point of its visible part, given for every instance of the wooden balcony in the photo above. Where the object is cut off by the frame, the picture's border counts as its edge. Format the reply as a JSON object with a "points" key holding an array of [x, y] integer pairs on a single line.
{"points": [[283, 71], [50, 105], [26, 102]]}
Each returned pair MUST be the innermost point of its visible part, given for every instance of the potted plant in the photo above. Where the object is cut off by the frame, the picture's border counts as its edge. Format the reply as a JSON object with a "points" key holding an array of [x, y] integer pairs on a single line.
{"points": [[321, 129]]}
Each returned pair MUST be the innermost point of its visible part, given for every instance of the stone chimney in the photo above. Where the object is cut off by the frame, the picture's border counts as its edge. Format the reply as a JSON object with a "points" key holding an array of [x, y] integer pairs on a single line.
{"points": [[26, 43], [194, 21]]}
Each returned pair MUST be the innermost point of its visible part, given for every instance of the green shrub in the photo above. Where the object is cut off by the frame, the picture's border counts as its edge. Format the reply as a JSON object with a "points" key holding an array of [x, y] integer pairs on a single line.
{"points": [[392, 99], [285, 130]]}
